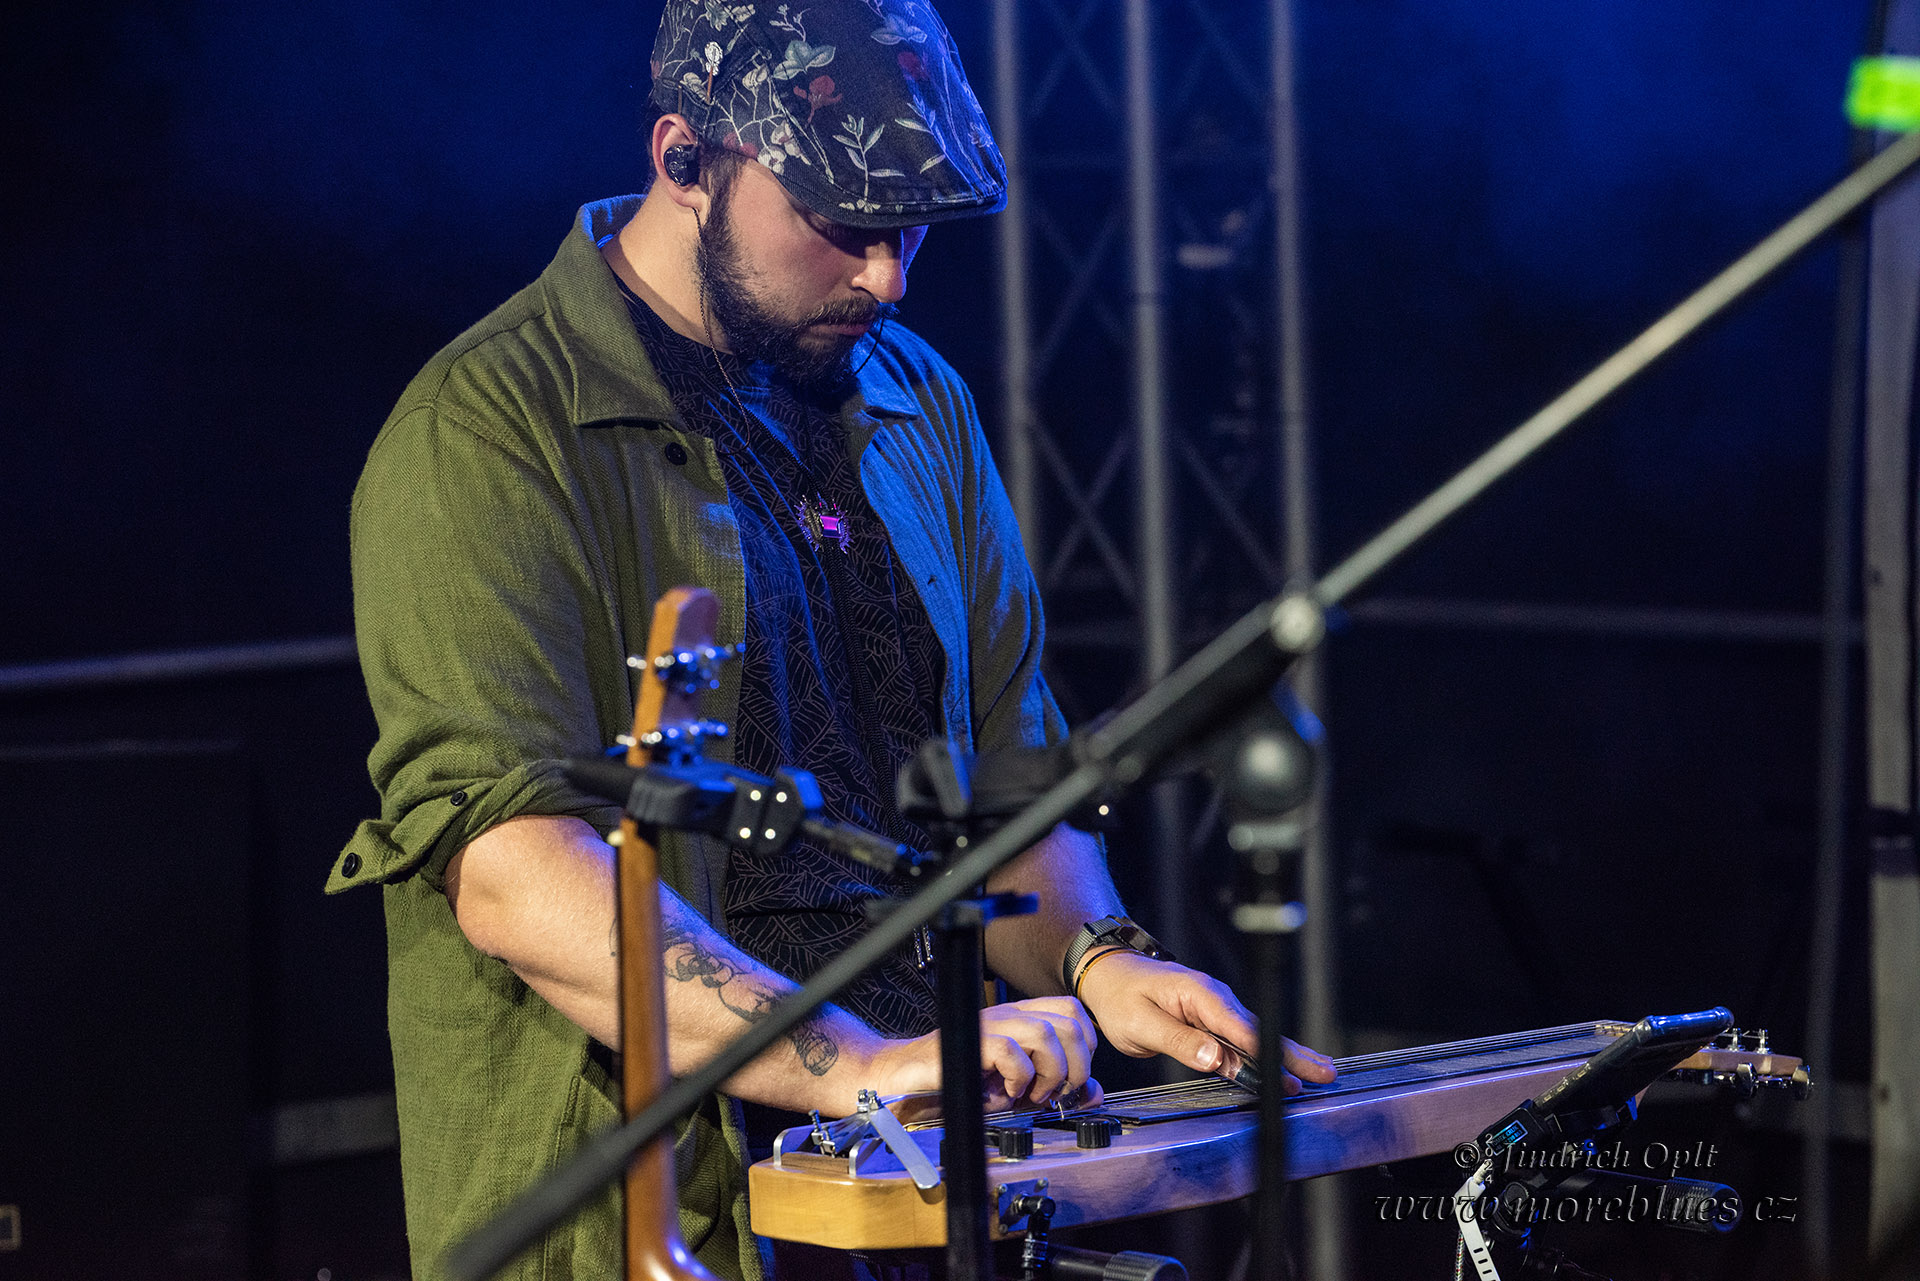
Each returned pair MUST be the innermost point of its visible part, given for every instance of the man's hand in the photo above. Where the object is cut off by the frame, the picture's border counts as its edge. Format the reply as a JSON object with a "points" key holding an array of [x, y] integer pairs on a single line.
{"points": [[1146, 1007], [1030, 1052]]}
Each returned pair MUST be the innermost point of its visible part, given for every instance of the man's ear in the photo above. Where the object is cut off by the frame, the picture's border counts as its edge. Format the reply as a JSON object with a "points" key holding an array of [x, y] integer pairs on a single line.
{"points": [[675, 152]]}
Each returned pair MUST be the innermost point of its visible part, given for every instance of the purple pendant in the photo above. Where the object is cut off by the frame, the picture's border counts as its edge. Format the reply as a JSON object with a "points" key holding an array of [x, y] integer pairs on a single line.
{"points": [[822, 522]]}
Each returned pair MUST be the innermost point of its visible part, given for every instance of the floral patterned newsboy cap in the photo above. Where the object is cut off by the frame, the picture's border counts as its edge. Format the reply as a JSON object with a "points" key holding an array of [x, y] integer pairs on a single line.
{"points": [[859, 106]]}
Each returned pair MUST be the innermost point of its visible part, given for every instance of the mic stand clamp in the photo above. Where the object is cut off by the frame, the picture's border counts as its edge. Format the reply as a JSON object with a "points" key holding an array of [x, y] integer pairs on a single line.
{"points": [[759, 814]]}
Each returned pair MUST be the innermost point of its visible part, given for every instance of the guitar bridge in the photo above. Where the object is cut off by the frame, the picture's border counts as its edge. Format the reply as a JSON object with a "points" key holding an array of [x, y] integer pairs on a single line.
{"points": [[872, 1141]]}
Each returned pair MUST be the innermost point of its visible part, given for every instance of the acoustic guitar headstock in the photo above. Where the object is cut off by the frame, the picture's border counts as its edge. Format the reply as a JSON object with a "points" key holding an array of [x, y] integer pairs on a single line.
{"points": [[682, 663], [1744, 1062]]}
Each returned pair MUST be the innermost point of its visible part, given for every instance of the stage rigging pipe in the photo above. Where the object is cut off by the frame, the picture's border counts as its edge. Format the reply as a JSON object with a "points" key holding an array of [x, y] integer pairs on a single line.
{"points": [[1892, 519], [1153, 498], [1319, 1024], [1823, 963], [73, 674], [1017, 423], [1296, 477], [1147, 295]]}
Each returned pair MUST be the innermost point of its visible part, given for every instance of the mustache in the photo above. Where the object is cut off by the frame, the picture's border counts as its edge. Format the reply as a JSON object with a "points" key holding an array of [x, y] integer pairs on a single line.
{"points": [[851, 311]]}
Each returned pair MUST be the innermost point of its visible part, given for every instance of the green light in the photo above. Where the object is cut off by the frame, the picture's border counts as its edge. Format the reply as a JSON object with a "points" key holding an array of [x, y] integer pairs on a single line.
{"points": [[1885, 94]]}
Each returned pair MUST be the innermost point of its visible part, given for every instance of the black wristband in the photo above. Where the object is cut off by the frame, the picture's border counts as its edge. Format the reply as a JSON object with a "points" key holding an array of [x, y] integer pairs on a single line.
{"points": [[1108, 931]]}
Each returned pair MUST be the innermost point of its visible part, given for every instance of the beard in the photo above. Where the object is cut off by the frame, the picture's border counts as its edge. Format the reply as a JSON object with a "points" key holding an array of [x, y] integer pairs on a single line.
{"points": [[813, 361]]}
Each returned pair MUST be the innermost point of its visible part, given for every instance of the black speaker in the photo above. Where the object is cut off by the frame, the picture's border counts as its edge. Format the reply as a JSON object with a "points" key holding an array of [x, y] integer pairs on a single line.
{"points": [[124, 1038]]}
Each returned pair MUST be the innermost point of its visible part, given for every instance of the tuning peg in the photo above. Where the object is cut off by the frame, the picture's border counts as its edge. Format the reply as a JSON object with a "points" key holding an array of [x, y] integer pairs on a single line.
{"points": [[1801, 1082], [1744, 1082]]}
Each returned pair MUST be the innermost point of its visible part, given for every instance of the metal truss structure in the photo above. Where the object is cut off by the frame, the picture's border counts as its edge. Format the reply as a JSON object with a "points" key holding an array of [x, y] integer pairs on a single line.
{"points": [[1153, 333], [1153, 430]]}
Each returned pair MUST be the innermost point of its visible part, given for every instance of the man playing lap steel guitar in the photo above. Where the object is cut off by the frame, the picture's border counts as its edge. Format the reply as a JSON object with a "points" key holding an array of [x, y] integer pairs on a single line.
{"points": [[702, 388]]}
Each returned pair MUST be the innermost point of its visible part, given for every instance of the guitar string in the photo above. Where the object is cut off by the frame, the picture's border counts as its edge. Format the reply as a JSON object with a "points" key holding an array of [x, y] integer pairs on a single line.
{"points": [[1215, 1092], [1201, 1089]]}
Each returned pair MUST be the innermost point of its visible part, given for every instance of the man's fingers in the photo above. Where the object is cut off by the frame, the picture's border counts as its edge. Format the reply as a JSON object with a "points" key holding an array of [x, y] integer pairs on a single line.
{"points": [[1050, 1065], [1053, 1043], [1061, 1007], [1053, 1007], [1055, 1034], [1157, 1032], [1053, 1030], [1004, 1055], [1214, 1007], [1310, 1065], [1210, 1004], [1076, 1049]]}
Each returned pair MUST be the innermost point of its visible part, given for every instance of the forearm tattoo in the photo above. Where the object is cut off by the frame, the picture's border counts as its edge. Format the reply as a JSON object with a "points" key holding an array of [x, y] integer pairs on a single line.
{"points": [[687, 957]]}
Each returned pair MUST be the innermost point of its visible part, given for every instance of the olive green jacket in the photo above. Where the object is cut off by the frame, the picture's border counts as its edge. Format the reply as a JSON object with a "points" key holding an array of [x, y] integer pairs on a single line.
{"points": [[530, 497]]}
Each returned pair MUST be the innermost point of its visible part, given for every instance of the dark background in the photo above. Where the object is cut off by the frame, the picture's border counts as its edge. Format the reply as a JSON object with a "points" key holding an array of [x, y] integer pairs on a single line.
{"points": [[234, 232]]}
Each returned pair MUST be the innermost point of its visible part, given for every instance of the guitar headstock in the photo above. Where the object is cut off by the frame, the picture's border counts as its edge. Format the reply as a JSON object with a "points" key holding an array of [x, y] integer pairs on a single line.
{"points": [[1744, 1062], [682, 663]]}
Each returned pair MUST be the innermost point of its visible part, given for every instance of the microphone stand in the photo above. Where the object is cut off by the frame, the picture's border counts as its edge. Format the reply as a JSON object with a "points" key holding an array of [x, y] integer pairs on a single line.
{"points": [[1264, 762], [936, 790], [1207, 691]]}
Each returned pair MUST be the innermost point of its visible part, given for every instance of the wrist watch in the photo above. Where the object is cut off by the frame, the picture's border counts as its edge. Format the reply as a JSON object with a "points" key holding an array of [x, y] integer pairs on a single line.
{"points": [[1109, 931]]}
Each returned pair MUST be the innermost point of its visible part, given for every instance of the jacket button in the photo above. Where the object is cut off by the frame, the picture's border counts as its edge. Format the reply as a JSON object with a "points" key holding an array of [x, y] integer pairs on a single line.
{"points": [[350, 865], [676, 453], [458, 799]]}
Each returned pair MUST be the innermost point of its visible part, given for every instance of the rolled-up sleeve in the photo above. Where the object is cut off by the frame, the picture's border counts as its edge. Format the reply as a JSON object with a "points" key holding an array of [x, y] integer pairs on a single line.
{"points": [[471, 605]]}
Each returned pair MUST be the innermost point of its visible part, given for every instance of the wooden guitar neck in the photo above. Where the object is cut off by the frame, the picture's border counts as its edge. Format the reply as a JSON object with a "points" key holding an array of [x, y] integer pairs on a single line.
{"points": [[683, 623]]}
